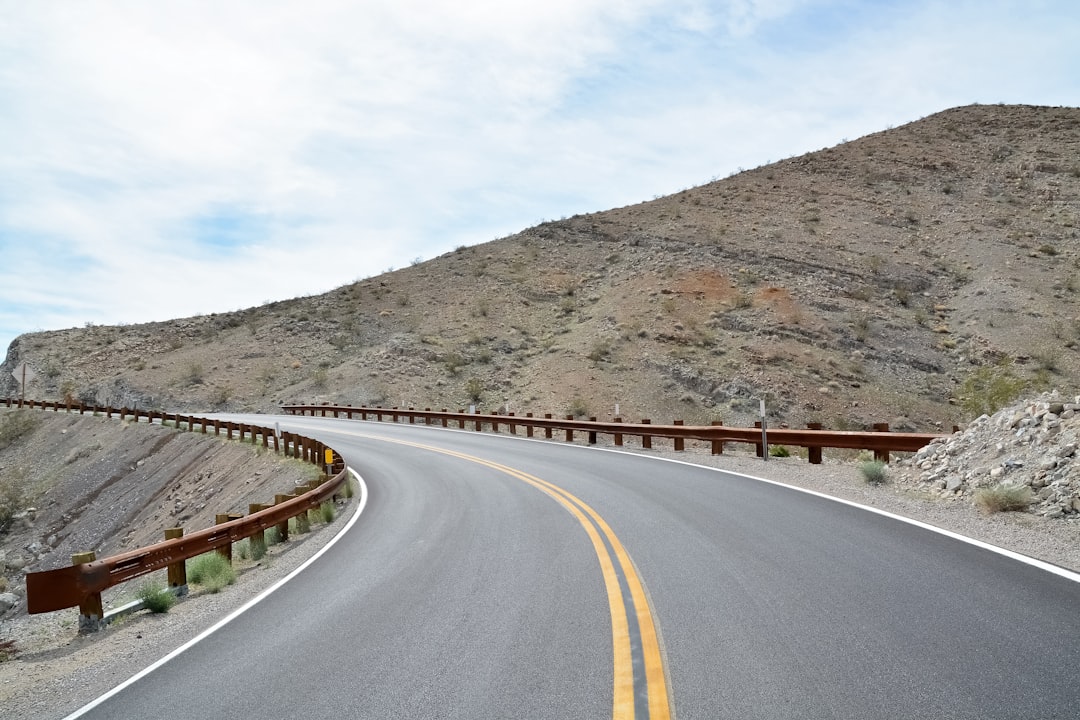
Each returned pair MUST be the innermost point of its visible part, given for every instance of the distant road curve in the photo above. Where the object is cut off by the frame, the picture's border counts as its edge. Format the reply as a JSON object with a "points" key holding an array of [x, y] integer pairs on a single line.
{"points": [[486, 575]]}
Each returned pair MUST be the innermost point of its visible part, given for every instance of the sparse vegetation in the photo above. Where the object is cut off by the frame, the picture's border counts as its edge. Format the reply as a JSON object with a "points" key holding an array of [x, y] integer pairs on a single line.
{"points": [[16, 425], [578, 408], [873, 471], [474, 389], [327, 512], [1003, 497], [155, 597], [779, 451], [211, 571], [989, 388], [193, 374]]}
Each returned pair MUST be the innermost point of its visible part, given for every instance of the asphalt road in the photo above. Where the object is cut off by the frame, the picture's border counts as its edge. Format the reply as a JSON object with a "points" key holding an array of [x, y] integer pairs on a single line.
{"points": [[492, 578]]}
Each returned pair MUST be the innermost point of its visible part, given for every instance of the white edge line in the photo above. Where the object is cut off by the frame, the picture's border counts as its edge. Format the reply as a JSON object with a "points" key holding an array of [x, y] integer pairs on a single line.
{"points": [[1020, 557], [235, 613]]}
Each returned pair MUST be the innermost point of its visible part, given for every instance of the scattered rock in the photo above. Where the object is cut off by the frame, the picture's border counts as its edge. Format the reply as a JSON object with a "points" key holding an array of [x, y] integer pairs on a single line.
{"points": [[1038, 440]]}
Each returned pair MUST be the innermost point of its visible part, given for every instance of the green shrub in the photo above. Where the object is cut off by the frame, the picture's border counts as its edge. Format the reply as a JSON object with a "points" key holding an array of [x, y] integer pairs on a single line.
{"points": [[273, 536], [300, 524], [778, 451], [210, 570], [155, 597], [990, 388], [326, 512], [873, 471], [1003, 497]]}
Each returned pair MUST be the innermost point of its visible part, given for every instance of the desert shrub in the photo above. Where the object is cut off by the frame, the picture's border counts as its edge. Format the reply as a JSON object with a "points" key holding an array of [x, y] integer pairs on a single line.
{"points": [[327, 512], [273, 536], [474, 389], [778, 451], [599, 351], [578, 408], [300, 524], [193, 374], [15, 425], [873, 471], [155, 597], [1003, 497], [210, 570], [989, 388]]}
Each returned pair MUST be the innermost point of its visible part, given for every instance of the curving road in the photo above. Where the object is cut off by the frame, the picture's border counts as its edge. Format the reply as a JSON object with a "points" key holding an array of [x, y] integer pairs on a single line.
{"points": [[492, 577]]}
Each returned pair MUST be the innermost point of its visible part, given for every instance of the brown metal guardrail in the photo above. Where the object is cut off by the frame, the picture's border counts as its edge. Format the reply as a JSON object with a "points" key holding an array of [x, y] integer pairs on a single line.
{"points": [[82, 583], [880, 441]]}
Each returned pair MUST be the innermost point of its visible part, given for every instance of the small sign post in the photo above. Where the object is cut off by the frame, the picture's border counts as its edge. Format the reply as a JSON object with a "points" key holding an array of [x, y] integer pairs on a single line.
{"points": [[329, 457], [24, 374], [764, 434]]}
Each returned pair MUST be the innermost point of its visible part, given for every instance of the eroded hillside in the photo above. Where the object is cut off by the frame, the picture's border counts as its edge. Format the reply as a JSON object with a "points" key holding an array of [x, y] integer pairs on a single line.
{"points": [[891, 278]]}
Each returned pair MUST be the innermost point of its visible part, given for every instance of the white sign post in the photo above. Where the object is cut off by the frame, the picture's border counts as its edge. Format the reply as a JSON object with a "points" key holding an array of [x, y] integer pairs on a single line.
{"points": [[764, 434]]}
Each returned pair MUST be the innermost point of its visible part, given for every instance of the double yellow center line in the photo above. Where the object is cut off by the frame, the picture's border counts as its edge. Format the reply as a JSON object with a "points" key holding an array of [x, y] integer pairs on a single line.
{"points": [[640, 683]]}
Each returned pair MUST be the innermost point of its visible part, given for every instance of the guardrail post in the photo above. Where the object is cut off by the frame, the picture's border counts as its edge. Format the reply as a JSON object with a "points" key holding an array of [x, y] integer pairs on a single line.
{"points": [[513, 425], [479, 425], [759, 449], [529, 427], [225, 550], [617, 436], [592, 433], [678, 441], [881, 455], [547, 430], [569, 431], [495, 423], [717, 444], [91, 611], [646, 440], [814, 453], [283, 526], [177, 571], [445, 421]]}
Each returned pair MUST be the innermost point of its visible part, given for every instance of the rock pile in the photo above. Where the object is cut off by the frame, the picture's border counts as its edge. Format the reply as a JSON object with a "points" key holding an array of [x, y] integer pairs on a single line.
{"points": [[1033, 443]]}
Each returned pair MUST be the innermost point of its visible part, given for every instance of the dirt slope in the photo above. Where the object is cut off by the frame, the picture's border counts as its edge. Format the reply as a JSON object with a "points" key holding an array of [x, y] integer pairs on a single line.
{"points": [[104, 485], [886, 279]]}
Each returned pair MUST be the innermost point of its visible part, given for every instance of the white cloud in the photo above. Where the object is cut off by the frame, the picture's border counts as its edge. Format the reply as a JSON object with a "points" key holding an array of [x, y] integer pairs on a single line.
{"points": [[356, 136]]}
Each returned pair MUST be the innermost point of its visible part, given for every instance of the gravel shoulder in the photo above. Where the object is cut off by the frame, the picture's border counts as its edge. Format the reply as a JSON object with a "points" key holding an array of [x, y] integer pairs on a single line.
{"points": [[58, 671]]}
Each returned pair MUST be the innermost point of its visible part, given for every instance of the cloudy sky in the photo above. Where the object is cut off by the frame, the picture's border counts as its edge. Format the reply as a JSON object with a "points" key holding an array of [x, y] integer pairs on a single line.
{"points": [[169, 158]]}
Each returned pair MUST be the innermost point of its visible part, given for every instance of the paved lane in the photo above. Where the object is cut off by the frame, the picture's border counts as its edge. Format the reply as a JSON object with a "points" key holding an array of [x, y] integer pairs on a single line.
{"points": [[468, 593]]}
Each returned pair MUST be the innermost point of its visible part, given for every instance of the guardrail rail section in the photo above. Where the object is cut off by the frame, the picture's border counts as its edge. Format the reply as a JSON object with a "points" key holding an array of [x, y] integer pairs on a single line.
{"points": [[81, 583], [880, 440]]}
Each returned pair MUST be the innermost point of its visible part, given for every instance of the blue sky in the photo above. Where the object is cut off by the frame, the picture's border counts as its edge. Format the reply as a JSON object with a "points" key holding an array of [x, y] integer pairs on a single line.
{"points": [[166, 159]]}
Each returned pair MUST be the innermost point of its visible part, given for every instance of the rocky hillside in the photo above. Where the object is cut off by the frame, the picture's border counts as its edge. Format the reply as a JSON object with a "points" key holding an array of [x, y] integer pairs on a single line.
{"points": [[917, 276]]}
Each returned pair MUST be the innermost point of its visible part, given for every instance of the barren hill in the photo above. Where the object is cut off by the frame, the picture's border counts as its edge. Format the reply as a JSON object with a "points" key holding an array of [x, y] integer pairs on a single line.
{"points": [[911, 276]]}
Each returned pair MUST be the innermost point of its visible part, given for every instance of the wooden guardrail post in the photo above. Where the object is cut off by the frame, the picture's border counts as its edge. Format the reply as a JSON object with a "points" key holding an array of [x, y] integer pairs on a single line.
{"points": [[881, 455], [617, 436], [529, 427], [679, 444], [717, 443], [91, 611], [513, 425], [495, 423], [283, 526], [813, 453], [547, 430], [225, 550], [759, 449], [592, 433], [177, 571], [569, 431], [646, 440]]}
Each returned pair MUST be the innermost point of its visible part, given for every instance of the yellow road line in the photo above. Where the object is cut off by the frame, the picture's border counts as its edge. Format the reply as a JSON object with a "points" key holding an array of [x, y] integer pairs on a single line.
{"points": [[655, 678]]}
